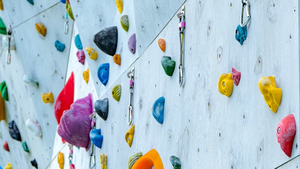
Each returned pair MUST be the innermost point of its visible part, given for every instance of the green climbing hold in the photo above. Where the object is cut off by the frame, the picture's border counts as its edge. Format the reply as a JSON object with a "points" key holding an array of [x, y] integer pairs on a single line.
{"points": [[125, 22], [116, 92], [25, 147], [69, 10], [175, 162], [4, 91], [2, 27], [168, 64]]}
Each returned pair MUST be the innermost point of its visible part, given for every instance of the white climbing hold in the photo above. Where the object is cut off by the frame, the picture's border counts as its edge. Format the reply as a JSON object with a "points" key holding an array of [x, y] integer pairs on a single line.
{"points": [[34, 127]]}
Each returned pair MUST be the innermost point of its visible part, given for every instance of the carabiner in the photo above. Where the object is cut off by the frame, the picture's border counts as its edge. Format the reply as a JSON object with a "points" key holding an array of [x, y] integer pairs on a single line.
{"points": [[130, 75], [245, 6], [181, 16], [92, 158]]}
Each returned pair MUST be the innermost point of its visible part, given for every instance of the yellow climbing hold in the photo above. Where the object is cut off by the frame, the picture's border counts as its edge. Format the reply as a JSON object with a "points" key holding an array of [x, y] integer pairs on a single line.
{"points": [[129, 135], [8, 166], [103, 161], [119, 4], [225, 84], [86, 75], [1, 5], [92, 53], [60, 160], [41, 29], [48, 97], [271, 93]]}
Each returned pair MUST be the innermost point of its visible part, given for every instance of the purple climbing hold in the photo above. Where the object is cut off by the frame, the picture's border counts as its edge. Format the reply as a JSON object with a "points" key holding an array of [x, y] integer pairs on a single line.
{"points": [[132, 44], [81, 56]]}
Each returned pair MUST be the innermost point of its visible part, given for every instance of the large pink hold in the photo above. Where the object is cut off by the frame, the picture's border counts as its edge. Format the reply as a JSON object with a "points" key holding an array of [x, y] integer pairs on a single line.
{"points": [[75, 124], [236, 76], [81, 56], [286, 131]]}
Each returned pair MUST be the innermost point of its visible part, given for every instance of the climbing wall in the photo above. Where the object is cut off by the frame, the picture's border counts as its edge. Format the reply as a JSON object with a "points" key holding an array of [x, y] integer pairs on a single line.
{"points": [[37, 57]]}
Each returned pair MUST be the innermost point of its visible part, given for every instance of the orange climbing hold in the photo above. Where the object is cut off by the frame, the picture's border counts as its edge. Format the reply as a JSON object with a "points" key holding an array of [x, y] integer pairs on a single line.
{"points": [[117, 59], [5, 146], [149, 160], [1, 5], [162, 44], [41, 29], [61, 160], [2, 109]]}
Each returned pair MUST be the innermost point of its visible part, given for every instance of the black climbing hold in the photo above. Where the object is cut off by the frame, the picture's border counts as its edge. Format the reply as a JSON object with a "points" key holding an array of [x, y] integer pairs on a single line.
{"points": [[101, 108], [107, 40], [34, 163], [14, 131]]}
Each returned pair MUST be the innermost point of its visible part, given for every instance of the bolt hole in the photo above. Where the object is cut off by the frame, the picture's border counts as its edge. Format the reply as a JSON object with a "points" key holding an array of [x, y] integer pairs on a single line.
{"points": [[230, 4]]}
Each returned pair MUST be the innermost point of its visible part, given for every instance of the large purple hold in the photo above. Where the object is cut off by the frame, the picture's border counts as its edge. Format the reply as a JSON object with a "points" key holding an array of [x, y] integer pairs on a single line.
{"points": [[132, 44], [75, 124]]}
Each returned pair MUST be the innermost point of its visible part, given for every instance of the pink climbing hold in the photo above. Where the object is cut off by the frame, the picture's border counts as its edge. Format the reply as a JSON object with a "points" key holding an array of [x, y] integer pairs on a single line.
{"points": [[72, 166], [236, 76], [81, 56], [75, 124], [286, 131]]}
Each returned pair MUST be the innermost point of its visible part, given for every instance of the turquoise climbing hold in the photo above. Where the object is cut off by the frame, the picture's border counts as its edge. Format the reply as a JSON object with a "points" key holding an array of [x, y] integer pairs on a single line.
{"points": [[175, 162], [96, 137], [59, 46], [103, 73], [168, 64], [78, 42], [31, 2], [25, 147], [158, 110], [241, 34], [4, 91]]}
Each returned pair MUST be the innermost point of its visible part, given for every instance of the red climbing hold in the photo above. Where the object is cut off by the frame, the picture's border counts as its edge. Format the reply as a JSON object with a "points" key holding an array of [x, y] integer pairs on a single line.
{"points": [[236, 76], [64, 99], [286, 131], [5, 146]]}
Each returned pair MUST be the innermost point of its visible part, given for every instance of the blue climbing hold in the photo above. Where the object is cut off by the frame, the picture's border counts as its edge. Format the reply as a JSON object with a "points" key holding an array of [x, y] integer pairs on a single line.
{"points": [[78, 42], [63, 1], [103, 73], [59, 46], [158, 110], [241, 34], [96, 137], [31, 2]]}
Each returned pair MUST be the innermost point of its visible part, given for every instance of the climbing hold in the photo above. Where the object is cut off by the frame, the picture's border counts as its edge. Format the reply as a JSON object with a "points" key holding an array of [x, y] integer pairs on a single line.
{"points": [[2, 109], [103, 73], [241, 34], [1, 5], [125, 22], [129, 135], [34, 163], [132, 159], [14, 131], [236, 76], [75, 123], [78, 43], [96, 137], [107, 40], [5, 146], [286, 131], [8, 166], [271, 93], [158, 110], [168, 64], [149, 160], [69, 10], [175, 162], [31, 2], [72, 166], [225, 84], [59, 46], [29, 80], [34, 127], [64, 99], [41, 29], [162, 44], [116, 92], [86, 75], [63, 1], [119, 4], [132, 44], [25, 147], [92, 53], [4, 91], [81, 56], [103, 161], [61, 160], [2, 27], [101, 108], [117, 59], [47, 97]]}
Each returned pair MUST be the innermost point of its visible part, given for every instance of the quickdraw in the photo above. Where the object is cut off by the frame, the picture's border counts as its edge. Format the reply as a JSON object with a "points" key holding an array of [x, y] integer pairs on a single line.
{"points": [[241, 30], [181, 16], [66, 26], [8, 55], [130, 75], [71, 156], [92, 163]]}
